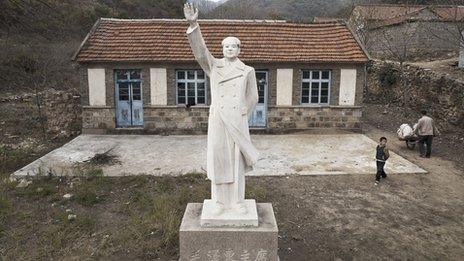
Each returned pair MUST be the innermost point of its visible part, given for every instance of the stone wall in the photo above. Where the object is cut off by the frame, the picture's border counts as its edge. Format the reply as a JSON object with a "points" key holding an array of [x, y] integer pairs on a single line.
{"points": [[60, 111], [301, 117], [418, 89]]}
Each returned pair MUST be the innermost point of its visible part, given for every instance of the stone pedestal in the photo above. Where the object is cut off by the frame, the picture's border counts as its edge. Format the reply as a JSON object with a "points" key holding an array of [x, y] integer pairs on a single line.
{"points": [[228, 243], [230, 218]]}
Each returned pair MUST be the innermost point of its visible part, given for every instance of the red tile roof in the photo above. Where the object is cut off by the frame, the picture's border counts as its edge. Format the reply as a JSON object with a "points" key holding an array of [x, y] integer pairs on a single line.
{"points": [[116, 40]]}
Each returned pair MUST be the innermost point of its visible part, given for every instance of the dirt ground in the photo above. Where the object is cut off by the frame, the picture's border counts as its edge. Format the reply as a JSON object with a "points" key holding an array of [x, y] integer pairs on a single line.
{"points": [[449, 146], [345, 217]]}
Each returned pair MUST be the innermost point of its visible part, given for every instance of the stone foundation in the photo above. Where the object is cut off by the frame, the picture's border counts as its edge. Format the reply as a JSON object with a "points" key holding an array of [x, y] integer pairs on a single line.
{"points": [[171, 118], [98, 120], [301, 118], [194, 120]]}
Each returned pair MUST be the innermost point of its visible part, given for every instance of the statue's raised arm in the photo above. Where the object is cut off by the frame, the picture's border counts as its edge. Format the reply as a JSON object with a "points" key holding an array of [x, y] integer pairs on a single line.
{"points": [[197, 43]]}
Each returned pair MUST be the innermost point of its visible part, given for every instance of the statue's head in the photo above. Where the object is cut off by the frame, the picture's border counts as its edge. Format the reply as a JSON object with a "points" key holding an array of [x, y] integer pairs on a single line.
{"points": [[231, 47]]}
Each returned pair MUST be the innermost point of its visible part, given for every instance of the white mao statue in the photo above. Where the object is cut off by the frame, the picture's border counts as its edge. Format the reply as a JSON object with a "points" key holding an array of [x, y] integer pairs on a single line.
{"points": [[230, 152]]}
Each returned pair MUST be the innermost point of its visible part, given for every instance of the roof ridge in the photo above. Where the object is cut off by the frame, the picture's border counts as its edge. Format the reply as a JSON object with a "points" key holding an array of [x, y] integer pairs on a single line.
{"points": [[201, 20], [406, 5], [336, 20]]}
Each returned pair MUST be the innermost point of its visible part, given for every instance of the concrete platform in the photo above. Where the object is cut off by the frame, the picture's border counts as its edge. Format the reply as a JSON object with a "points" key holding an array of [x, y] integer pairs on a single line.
{"points": [[291, 154], [228, 243]]}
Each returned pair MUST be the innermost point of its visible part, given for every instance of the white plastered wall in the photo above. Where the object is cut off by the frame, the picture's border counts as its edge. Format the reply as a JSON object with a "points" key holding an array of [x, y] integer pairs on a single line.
{"points": [[158, 86], [284, 87], [97, 87], [347, 87]]}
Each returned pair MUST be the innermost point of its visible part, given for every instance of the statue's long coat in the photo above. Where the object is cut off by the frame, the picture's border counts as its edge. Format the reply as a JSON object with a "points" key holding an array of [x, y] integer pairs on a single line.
{"points": [[234, 94]]}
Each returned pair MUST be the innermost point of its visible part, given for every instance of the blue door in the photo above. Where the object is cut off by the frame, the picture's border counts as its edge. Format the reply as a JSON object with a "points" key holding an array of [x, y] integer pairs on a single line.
{"points": [[258, 118], [129, 105]]}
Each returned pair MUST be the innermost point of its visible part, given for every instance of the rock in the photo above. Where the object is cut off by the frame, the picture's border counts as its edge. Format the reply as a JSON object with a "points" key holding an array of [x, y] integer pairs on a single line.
{"points": [[24, 183], [67, 196], [9, 180], [68, 210], [72, 217]]}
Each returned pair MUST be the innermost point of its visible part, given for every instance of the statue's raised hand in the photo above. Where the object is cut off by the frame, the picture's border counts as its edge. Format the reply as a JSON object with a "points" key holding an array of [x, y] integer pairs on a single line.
{"points": [[191, 13]]}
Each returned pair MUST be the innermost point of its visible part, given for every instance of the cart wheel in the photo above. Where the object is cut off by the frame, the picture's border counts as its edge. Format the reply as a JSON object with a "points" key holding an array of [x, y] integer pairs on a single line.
{"points": [[410, 144]]}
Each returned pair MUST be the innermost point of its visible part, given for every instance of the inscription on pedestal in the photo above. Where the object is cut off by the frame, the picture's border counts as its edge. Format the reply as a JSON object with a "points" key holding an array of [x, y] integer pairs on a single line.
{"points": [[230, 255]]}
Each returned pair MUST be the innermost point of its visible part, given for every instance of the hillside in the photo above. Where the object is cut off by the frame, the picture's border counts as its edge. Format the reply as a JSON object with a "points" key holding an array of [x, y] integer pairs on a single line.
{"points": [[69, 18], [303, 10], [299, 10], [39, 37]]}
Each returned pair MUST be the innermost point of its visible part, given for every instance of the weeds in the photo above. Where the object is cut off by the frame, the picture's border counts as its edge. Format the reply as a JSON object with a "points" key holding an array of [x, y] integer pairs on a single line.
{"points": [[40, 188], [11, 159], [5, 208], [90, 191]]}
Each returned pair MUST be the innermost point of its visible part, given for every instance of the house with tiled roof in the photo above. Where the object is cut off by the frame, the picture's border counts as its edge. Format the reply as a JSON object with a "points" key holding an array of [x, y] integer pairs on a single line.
{"points": [[141, 75], [419, 28]]}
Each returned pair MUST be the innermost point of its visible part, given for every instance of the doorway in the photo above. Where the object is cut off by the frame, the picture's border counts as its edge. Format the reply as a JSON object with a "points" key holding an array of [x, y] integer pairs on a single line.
{"points": [[129, 104]]}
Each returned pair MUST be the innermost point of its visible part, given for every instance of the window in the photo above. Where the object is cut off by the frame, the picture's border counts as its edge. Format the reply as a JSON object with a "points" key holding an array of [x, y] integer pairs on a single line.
{"points": [[315, 87], [191, 87], [129, 84]]}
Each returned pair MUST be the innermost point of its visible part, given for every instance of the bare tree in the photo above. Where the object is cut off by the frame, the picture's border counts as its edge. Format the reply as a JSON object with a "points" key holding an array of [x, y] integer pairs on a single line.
{"points": [[361, 20], [38, 72], [393, 37]]}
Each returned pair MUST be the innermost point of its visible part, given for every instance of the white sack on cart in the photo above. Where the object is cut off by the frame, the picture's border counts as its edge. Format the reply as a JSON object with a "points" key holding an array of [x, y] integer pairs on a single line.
{"points": [[405, 131]]}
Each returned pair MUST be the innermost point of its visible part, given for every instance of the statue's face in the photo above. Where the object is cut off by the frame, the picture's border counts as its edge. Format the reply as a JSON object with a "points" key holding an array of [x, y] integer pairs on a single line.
{"points": [[231, 47]]}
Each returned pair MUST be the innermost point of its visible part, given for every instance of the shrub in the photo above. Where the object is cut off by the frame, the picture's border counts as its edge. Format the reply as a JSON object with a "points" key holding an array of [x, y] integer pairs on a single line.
{"points": [[388, 75]]}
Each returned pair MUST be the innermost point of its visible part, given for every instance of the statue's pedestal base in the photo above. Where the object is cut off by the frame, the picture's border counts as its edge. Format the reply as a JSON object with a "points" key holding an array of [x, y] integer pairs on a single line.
{"points": [[228, 243], [229, 218]]}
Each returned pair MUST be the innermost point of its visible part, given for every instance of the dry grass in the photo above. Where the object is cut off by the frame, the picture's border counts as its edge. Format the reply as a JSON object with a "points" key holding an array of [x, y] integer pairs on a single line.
{"points": [[140, 214]]}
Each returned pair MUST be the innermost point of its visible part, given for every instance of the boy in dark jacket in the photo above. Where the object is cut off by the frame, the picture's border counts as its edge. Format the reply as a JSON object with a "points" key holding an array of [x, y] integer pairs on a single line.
{"points": [[381, 157]]}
